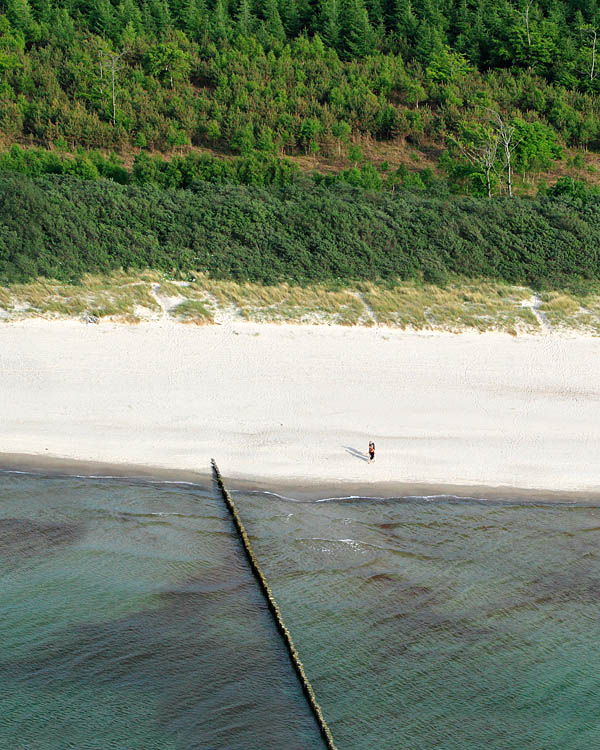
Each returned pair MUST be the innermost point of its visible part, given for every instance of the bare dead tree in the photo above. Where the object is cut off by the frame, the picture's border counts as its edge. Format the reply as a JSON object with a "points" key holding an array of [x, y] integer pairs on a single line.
{"points": [[525, 15], [112, 58], [506, 134], [594, 34], [100, 53], [483, 157], [101, 58]]}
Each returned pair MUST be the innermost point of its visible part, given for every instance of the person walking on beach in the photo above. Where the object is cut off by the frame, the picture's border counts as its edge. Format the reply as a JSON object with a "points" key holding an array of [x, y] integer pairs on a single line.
{"points": [[371, 451]]}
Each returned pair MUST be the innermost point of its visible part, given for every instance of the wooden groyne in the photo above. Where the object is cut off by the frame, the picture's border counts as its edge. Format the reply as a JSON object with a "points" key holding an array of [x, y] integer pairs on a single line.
{"points": [[275, 611]]}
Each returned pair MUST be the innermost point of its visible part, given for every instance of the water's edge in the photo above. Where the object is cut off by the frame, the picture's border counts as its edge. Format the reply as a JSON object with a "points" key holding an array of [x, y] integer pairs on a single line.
{"points": [[292, 488]]}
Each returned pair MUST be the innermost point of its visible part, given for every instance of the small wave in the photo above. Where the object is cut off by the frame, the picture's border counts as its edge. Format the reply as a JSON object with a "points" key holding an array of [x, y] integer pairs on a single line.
{"points": [[93, 476], [162, 514], [266, 492], [357, 543], [466, 499], [441, 497], [175, 481], [121, 478], [17, 471], [326, 539], [351, 497]]}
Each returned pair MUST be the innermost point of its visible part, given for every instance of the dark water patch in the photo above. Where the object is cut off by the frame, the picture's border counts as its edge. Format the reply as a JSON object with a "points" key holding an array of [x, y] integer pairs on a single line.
{"points": [[382, 577], [394, 585], [217, 580], [24, 537], [576, 585], [201, 649], [194, 661], [419, 618]]}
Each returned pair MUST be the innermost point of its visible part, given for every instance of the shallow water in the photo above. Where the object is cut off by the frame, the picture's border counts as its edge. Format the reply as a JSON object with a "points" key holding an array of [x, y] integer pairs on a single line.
{"points": [[129, 620]]}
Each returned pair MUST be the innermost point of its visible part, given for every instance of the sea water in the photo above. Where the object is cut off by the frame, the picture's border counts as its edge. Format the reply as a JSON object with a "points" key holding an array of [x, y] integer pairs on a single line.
{"points": [[129, 619]]}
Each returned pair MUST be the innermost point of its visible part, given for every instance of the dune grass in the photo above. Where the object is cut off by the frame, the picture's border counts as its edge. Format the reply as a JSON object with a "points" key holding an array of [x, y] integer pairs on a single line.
{"points": [[481, 305], [118, 295], [192, 311], [280, 303], [291, 304], [5, 298], [462, 304], [568, 310]]}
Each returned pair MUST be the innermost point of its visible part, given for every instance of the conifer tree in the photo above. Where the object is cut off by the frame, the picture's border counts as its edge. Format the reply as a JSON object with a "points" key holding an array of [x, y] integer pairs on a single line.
{"points": [[428, 41], [273, 23], [128, 13], [220, 20], [331, 23], [161, 15], [290, 14], [194, 18], [63, 28], [375, 12], [308, 15], [178, 9], [102, 20], [357, 32], [244, 19], [405, 21], [18, 13], [41, 10]]}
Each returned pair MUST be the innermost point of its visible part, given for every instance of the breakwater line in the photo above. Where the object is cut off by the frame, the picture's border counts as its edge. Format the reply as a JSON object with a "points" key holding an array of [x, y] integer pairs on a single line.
{"points": [[307, 688]]}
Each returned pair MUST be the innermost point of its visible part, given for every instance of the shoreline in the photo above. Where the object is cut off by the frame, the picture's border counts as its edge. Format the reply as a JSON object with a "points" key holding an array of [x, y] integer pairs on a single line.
{"points": [[292, 406], [43, 465]]}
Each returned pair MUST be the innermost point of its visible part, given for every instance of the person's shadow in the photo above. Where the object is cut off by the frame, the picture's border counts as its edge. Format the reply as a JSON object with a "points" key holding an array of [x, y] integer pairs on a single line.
{"points": [[356, 453]]}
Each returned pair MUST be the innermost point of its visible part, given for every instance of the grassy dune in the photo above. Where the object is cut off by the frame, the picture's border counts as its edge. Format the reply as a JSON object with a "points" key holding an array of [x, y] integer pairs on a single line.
{"points": [[460, 305]]}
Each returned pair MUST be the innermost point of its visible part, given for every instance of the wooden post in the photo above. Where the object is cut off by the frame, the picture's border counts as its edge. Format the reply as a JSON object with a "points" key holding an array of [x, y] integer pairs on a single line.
{"points": [[275, 611]]}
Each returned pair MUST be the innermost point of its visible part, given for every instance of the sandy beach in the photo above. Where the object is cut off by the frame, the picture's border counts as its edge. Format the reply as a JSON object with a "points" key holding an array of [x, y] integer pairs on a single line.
{"points": [[298, 404]]}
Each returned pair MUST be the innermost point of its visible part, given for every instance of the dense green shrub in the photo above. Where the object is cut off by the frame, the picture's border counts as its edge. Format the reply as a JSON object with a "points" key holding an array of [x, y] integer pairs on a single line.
{"points": [[182, 171], [573, 191], [90, 165], [62, 226]]}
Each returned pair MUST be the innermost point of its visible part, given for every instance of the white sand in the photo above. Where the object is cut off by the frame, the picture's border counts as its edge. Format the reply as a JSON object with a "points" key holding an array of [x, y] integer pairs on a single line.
{"points": [[297, 402]]}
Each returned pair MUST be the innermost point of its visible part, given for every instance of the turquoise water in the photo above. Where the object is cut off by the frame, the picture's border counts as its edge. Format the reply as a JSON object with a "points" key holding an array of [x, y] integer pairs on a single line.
{"points": [[129, 620]]}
